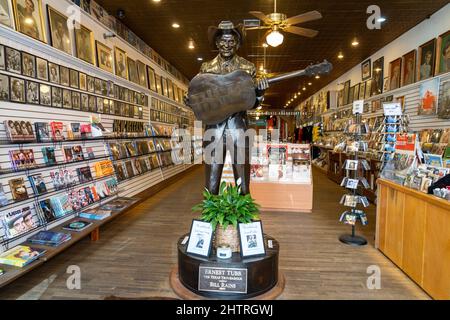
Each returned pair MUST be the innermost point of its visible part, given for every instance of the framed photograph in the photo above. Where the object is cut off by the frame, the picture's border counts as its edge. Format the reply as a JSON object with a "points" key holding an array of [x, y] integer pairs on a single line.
{"points": [[32, 92], [53, 71], [56, 97], [443, 53], [4, 87], [395, 68], [90, 84], [28, 65], [356, 92], [444, 105], [76, 100], [45, 95], [104, 57], [377, 76], [74, 79], [366, 70], [429, 97], [67, 99], [2, 57], [165, 86], [170, 89], [200, 239], [84, 44], [132, 71], [252, 239], [409, 68], [142, 73], [121, 66], [159, 88], [351, 94], [99, 105], [346, 92], [351, 165], [368, 89], [427, 60], [175, 93], [83, 82], [6, 16], [84, 102], [64, 76], [98, 86], [104, 88], [17, 89], [59, 31], [13, 60], [41, 69], [29, 18], [92, 103]]}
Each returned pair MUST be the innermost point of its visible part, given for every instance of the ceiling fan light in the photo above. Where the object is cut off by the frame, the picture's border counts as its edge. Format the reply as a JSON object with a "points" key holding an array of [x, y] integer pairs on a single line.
{"points": [[274, 38]]}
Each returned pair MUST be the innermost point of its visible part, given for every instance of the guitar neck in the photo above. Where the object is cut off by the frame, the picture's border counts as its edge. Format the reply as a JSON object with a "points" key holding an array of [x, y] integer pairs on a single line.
{"points": [[286, 76]]}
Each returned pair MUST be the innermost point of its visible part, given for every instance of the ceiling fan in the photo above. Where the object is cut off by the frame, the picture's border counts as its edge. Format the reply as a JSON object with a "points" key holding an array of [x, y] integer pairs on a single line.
{"points": [[277, 22]]}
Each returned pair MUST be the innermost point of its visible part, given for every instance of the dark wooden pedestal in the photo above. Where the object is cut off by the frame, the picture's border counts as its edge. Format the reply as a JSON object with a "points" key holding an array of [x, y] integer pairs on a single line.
{"points": [[263, 279]]}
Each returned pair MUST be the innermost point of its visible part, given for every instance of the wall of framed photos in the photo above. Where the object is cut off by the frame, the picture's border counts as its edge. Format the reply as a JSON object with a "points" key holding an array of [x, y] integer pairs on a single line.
{"points": [[90, 89]]}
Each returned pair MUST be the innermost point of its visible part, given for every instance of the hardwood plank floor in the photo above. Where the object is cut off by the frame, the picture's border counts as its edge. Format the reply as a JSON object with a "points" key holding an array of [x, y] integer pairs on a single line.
{"points": [[137, 250]]}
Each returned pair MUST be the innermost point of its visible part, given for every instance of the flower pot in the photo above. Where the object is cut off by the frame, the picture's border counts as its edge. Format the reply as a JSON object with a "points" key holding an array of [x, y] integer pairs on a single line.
{"points": [[227, 237]]}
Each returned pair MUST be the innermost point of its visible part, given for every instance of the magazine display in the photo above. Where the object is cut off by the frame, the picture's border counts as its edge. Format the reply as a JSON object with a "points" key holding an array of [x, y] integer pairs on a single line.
{"points": [[18, 189], [37, 184], [77, 225], [22, 159], [19, 221], [21, 256], [49, 238]]}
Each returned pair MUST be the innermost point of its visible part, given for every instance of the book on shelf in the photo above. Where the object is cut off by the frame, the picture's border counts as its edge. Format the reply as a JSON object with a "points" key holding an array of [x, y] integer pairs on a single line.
{"points": [[68, 154], [95, 214], [22, 159], [49, 155], [104, 168], [18, 189], [47, 210], [77, 225], [90, 153], [84, 174], [76, 130], [20, 256], [42, 131], [86, 131], [114, 150], [77, 153], [49, 238], [57, 130], [37, 184], [129, 169], [19, 221]]}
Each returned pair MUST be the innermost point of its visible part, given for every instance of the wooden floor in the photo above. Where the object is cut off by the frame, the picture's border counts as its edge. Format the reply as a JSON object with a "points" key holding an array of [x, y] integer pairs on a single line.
{"points": [[137, 251]]}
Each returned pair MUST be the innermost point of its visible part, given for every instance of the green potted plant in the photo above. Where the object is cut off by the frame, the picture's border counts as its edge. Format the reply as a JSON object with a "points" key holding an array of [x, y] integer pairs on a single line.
{"points": [[224, 211]]}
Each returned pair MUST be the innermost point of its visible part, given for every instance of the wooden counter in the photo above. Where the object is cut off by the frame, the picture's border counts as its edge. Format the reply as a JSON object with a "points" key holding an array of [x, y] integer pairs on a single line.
{"points": [[413, 230], [279, 196]]}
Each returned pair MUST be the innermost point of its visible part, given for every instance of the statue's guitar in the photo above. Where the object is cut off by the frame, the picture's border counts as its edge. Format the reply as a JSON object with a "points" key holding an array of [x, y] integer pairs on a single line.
{"points": [[214, 98]]}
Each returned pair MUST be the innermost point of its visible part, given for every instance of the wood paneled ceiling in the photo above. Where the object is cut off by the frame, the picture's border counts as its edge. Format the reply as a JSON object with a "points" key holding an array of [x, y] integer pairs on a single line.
{"points": [[342, 21]]}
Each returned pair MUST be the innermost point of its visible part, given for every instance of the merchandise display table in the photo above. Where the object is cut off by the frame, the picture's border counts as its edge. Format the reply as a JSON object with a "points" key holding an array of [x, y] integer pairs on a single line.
{"points": [[281, 196], [413, 231], [234, 278]]}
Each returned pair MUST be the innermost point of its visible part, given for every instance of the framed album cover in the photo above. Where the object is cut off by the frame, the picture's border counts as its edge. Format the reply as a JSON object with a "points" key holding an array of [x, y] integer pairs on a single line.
{"points": [[29, 18], [41, 69], [200, 239], [251, 239], [121, 66], [427, 60], [56, 97], [409, 68], [366, 70], [84, 44], [2, 57], [59, 31], [83, 82], [104, 57]]}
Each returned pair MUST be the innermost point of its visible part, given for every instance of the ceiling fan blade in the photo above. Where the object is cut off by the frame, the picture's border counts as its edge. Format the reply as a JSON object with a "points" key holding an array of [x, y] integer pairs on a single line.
{"points": [[305, 17], [302, 31], [261, 16], [258, 28]]}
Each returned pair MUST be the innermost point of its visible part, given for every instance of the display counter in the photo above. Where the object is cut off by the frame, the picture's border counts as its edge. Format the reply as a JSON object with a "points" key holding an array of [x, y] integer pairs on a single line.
{"points": [[413, 230]]}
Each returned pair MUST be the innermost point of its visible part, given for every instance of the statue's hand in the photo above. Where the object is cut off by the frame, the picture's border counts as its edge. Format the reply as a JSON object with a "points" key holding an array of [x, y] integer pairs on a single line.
{"points": [[262, 85]]}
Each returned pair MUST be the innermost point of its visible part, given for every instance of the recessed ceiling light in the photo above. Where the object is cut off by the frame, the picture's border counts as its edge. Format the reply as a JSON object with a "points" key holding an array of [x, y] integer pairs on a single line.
{"points": [[175, 25], [340, 55], [304, 88], [309, 83], [191, 44], [381, 19], [200, 59], [355, 42], [317, 77], [156, 0]]}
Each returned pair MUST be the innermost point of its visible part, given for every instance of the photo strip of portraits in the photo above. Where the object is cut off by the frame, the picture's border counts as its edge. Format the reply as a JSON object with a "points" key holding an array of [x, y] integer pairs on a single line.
{"points": [[87, 49], [33, 80]]}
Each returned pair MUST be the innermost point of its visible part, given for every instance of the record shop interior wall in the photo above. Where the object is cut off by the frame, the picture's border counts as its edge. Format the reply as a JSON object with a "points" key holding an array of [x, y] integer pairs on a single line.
{"points": [[423, 32]]}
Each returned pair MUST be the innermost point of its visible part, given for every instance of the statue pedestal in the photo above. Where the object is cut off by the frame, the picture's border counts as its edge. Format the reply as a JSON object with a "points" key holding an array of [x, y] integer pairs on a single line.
{"points": [[234, 278]]}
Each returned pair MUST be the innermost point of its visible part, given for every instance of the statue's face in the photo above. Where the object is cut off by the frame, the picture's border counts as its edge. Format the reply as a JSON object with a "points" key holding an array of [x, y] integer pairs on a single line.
{"points": [[227, 44]]}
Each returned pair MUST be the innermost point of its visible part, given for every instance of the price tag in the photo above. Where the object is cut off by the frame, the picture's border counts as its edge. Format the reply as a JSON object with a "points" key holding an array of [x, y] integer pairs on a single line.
{"points": [[358, 106], [392, 109]]}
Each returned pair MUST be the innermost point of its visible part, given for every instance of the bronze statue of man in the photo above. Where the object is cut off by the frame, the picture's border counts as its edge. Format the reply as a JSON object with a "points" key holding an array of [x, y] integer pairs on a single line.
{"points": [[227, 39]]}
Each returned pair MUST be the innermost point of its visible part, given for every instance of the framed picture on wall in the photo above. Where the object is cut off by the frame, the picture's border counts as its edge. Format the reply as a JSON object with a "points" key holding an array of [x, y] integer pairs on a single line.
{"points": [[351, 94], [159, 88], [41, 69], [429, 97], [104, 56], [377, 76], [32, 92], [151, 78], [45, 95], [132, 71], [28, 65], [427, 60], [54, 73], [443, 53], [251, 239], [366, 70], [13, 60], [170, 89], [121, 66], [444, 106], [2, 57], [4, 87], [356, 92], [84, 44], [83, 81], [29, 18], [6, 18], [56, 97], [59, 31], [362, 91], [395, 68], [64, 75], [409, 68], [368, 89], [17, 89], [142, 73], [346, 92], [74, 79]]}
